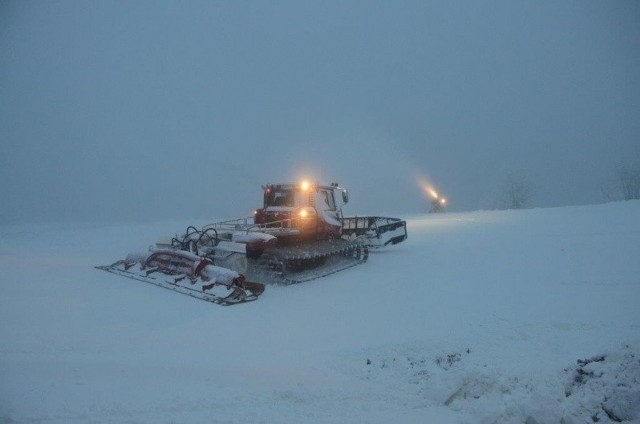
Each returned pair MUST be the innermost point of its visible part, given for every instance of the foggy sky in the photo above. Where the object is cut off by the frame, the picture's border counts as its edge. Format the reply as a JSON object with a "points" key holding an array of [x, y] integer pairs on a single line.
{"points": [[145, 110]]}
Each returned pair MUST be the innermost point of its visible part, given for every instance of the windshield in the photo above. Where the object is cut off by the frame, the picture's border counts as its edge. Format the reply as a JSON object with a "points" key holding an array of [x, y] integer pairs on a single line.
{"points": [[281, 197], [293, 198]]}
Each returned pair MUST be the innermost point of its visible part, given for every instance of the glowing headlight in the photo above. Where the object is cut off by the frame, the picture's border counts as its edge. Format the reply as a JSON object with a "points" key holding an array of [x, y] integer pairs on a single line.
{"points": [[307, 212]]}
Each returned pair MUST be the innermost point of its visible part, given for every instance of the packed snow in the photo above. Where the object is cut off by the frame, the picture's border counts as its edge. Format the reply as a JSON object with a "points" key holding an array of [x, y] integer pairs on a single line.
{"points": [[525, 316]]}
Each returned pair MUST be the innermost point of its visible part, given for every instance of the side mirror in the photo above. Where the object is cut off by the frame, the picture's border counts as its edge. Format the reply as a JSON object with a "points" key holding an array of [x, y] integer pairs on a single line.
{"points": [[345, 196]]}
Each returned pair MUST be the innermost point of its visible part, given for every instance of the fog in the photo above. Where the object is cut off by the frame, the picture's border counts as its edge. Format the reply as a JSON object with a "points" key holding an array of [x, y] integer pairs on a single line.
{"points": [[147, 110]]}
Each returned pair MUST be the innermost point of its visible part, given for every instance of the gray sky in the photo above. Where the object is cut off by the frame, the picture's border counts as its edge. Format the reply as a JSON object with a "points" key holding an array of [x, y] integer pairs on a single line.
{"points": [[134, 110]]}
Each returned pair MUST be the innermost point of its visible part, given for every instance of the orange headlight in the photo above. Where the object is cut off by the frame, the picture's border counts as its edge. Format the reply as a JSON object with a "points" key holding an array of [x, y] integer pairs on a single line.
{"points": [[307, 212]]}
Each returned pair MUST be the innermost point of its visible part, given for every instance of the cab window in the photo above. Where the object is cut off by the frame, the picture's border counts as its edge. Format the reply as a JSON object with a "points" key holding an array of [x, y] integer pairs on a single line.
{"points": [[328, 202]]}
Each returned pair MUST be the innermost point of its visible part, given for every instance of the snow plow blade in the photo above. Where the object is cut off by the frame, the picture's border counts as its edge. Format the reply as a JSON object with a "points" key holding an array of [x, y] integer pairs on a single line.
{"points": [[375, 231]]}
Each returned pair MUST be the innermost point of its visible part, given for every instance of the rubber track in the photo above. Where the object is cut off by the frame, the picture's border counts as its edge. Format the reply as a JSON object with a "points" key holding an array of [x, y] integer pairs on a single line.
{"points": [[276, 266]]}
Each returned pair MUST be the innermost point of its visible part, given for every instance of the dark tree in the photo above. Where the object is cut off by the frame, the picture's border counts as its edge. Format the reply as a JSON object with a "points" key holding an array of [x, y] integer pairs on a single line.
{"points": [[629, 178], [516, 191]]}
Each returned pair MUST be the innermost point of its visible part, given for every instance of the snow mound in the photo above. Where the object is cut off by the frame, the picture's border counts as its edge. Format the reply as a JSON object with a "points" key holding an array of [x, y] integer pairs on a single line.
{"points": [[604, 388]]}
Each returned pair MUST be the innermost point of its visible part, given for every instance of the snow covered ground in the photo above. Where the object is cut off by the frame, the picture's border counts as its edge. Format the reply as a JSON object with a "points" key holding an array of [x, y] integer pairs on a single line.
{"points": [[486, 317]]}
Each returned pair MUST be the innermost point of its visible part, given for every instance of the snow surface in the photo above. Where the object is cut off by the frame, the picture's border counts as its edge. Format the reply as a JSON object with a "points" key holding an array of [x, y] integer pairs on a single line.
{"points": [[486, 317]]}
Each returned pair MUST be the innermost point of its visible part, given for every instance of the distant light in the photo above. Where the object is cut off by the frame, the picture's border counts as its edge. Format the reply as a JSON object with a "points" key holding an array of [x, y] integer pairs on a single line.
{"points": [[304, 185]]}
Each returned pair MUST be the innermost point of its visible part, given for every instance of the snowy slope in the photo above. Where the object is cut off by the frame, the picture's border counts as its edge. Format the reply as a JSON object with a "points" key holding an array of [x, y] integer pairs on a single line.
{"points": [[477, 317]]}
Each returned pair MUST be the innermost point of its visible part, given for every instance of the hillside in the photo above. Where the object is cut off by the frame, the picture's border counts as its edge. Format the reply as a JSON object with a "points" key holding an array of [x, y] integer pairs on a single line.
{"points": [[490, 316]]}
